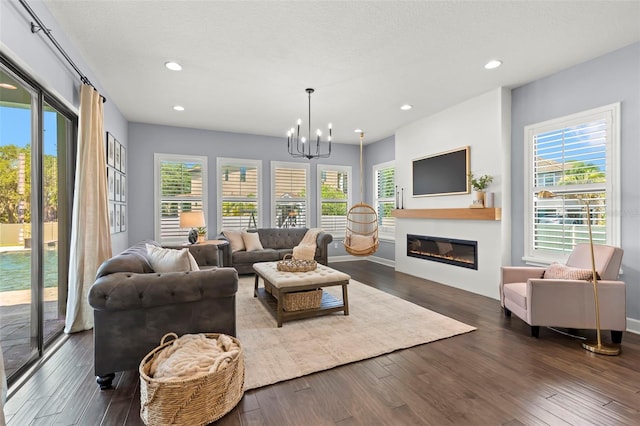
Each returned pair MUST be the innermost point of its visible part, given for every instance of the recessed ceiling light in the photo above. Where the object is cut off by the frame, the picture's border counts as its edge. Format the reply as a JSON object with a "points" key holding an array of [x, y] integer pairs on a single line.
{"points": [[178, 108], [406, 107], [357, 131], [494, 63], [8, 86], [173, 66]]}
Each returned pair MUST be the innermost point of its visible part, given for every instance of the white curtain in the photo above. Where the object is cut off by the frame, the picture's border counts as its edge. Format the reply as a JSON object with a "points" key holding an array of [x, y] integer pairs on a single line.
{"points": [[90, 234]]}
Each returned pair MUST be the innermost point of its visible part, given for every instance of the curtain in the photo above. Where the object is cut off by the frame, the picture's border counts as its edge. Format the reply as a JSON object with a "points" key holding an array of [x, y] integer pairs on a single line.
{"points": [[90, 232], [3, 387]]}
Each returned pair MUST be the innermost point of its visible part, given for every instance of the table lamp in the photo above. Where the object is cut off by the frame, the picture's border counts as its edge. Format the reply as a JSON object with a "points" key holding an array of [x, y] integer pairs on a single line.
{"points": [[193, 220], [597, 346]]}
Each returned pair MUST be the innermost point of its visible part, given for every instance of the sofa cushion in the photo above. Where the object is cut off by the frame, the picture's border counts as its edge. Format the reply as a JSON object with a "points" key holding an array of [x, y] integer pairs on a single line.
{"points": [[252, 241], [168, 260], [235, 239], [251, 257], [563, 272]]}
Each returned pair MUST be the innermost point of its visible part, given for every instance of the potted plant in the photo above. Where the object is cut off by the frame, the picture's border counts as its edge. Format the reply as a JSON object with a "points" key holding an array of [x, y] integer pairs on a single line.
{"points": [[202, 233], [479, 184]]}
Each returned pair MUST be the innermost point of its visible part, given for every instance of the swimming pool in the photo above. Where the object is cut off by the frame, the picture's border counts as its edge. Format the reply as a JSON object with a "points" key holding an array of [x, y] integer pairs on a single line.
{"points": [[15, 270]]}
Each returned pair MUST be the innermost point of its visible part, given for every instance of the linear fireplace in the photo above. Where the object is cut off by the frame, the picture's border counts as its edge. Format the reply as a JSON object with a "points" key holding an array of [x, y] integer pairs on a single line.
{"points": [[462, 253]]}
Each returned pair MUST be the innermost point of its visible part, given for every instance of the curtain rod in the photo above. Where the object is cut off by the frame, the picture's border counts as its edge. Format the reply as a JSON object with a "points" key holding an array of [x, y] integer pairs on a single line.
{"points": [[40, 26]]}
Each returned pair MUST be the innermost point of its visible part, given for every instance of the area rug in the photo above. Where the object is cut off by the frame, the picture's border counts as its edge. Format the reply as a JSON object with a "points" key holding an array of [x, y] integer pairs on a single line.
{"points": [[378, 323]]}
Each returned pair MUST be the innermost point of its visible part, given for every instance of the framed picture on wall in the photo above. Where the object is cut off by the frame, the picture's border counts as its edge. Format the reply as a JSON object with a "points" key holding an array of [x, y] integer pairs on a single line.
{"points": [[112, 221], [111, 142], [123, 187], [116, 214], [111, 181], [123, 215], [116, 152], [117, 186], [123, 159]]}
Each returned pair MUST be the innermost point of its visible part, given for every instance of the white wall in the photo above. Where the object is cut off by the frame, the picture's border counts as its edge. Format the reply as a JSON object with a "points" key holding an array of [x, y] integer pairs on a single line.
{"points": [[483, 123]]}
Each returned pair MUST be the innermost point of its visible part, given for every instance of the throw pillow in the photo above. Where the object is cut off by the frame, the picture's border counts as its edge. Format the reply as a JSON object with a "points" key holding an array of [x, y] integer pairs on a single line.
{"points": [[252, 241], [563, 272], [192, 262], [235, 240], [168, 260]]}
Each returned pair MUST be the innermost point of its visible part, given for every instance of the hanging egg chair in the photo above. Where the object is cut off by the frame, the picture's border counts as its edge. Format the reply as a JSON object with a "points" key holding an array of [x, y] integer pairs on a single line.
{"points": [[361, 238]]}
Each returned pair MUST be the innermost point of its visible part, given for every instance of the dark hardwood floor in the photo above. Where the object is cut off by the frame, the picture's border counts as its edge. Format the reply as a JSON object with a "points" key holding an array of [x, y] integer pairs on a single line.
{"points": [[496, 375]]}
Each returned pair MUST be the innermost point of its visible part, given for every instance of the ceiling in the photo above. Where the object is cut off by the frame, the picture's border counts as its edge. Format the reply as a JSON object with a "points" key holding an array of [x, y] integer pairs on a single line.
{"points": [[246, 64]]}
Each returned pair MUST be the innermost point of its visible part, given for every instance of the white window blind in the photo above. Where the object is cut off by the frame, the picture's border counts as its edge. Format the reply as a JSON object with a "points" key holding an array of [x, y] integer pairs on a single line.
{"points": [[290, 195], [572, 158], [384, 185], [239, 189], [334, 198], [180, 186]]}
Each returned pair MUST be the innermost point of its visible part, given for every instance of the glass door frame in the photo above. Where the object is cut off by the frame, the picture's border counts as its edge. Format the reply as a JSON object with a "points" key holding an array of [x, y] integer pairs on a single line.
{"points": [[66, 178]]}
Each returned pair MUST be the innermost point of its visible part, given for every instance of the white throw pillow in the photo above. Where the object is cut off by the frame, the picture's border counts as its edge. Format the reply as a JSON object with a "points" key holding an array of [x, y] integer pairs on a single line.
{"points": [[168, 260], [252, 241], [235, 239], [192, 262]]}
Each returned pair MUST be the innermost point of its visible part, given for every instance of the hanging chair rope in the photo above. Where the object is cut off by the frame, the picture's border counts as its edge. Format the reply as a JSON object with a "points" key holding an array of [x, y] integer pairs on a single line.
{"points": [[361, 237]]}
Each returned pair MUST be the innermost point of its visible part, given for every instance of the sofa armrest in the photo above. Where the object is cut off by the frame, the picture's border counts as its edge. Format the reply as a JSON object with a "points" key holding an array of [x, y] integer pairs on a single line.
{"points": [[322, 243], [126, 291]]}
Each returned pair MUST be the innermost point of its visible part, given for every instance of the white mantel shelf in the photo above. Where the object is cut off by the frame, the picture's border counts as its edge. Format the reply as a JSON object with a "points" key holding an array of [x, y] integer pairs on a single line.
{"points": [[455, 214]]}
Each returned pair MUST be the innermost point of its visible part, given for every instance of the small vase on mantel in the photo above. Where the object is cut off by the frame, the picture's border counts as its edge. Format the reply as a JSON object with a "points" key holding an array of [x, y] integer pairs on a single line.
{"points": [[478, 200]]}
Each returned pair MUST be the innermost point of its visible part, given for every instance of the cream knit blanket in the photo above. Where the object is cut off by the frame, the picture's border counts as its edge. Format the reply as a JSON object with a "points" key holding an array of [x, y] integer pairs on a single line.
{"points": [[193, 355], [306, 250]]}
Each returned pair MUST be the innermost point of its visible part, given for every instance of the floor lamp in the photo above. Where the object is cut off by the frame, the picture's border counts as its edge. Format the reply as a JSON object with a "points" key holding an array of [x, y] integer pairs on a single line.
{"points": [[597, 346]]}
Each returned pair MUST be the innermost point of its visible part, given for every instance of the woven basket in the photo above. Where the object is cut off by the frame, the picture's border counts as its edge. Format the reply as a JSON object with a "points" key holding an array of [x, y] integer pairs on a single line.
{"points": [[310, 299], [289, 264], [192, 401]]}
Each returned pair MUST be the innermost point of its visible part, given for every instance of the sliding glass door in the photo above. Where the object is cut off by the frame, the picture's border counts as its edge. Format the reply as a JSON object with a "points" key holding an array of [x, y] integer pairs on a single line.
{"points": [[36, 143]]}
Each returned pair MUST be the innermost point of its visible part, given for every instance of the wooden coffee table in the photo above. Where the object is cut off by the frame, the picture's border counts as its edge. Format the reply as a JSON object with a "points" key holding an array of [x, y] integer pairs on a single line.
{"points": [[281, 283]]}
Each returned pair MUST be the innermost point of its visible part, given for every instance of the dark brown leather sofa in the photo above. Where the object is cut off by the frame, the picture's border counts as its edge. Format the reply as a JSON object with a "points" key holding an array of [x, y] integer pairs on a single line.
{"points": [[135, 306]]}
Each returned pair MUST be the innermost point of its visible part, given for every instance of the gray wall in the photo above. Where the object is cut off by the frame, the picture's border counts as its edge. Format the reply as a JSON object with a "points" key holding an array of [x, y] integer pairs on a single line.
{"points": [[614, 77], [147, 139], [37, 56], [376, 153]]}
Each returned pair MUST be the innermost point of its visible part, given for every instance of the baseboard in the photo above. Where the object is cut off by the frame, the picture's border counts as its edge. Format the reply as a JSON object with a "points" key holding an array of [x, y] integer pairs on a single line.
{"points": [[374, 259], [633, 326]]}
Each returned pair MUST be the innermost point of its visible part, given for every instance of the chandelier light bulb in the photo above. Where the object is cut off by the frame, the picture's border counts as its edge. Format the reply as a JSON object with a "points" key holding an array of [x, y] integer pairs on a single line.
{"points": [[299, 121], [289, 134], [318, 132], [329, 125], [303, 139]]}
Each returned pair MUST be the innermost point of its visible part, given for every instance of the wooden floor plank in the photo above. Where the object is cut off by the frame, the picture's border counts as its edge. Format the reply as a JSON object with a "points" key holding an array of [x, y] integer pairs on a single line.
{"points": [[497, 374]]}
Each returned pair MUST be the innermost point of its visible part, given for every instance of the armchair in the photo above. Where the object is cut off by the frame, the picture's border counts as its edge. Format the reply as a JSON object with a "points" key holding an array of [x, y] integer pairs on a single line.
{"points": [[568, 303]]}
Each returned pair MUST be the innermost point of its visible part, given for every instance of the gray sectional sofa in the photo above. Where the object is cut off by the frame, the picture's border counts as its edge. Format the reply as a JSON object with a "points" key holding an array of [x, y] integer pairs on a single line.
{"points": [[277, 242], [135, 306]]}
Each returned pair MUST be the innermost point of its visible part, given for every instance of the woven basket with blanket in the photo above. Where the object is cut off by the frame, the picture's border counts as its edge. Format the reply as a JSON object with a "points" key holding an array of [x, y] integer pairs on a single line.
{"points": [[195, 379]]}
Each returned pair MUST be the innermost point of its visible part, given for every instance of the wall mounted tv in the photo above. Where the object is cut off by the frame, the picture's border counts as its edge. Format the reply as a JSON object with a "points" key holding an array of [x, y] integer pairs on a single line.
{"points": [[444, 173]]}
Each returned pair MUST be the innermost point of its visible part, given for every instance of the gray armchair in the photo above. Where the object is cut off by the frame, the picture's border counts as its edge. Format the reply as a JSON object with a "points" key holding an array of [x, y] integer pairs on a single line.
{"points": [[568, 303]]}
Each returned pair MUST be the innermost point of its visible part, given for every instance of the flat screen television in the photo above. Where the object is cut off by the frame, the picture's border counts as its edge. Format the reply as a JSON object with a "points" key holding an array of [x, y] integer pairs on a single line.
{"points": [[444, 173]]}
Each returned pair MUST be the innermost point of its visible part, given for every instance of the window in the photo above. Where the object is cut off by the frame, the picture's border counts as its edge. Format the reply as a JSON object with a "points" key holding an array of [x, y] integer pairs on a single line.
{"points": [[334, 198], [384, 198], [289, 183], [239, 190], [181, 185], [576, 159]]}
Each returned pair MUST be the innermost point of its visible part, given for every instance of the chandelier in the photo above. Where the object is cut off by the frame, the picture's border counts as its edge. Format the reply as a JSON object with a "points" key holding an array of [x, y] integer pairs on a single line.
{"points": [[300, 146]]}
